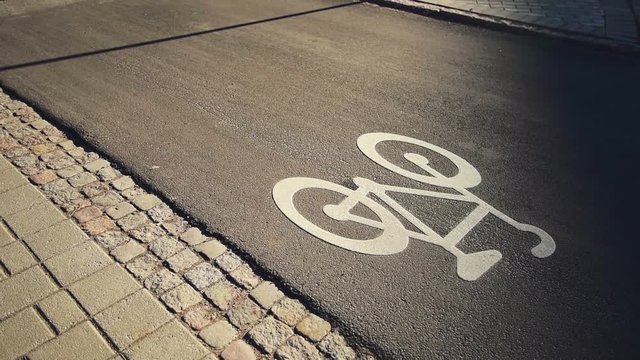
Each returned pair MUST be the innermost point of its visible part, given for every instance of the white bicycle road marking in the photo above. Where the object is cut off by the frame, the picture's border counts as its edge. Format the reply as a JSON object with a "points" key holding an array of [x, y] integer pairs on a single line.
{"points": [[395, 236]]}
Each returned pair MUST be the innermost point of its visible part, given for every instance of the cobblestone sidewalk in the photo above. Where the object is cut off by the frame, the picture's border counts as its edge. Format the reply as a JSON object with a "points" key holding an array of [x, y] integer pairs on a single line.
{"points": [[609, 21], [94, 267]]}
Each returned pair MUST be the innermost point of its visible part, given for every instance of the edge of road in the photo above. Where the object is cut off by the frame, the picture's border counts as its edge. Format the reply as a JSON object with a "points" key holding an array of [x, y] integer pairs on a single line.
{"points": [[365, 349], [503, 24]]}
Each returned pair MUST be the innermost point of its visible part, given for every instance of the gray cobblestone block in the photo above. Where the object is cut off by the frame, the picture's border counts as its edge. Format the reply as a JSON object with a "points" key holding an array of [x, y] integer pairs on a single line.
{"points": [[112, 239], [69, 171], [175, 227], [125, 252], [95, 189], [219, 334], [60, 191], [289, 311], [161, 281], [211, 249], [336, 347], [165, 247], [81, 179], [107, 199], [96, 165], [107, 174], [143, 266], [203, 275], [180, 298], [132, 192], [222, 294], [74, 205], [193, 236], [313, 327], [120, 210], [161, 213], [183, 260], [66, 145], [57, 160], [245, 313], [132, 221], [147, 233], [146, 201], [122, 183], [43, 148], [266, 294], [228, 261], [270, 334], [298, 348], [244, 276], [199, 316]]}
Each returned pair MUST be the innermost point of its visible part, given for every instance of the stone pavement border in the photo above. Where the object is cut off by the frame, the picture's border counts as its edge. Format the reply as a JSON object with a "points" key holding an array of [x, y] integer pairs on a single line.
{"points": [[113, 272], [613, 24]]}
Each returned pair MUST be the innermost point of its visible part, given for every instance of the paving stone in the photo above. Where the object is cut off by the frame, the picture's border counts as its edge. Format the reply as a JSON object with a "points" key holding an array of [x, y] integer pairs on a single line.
{"points": [[60, 191], [35, 218], [132, 221], [289, 311], [181, 297], [245, 313], [99, 225], [228, 261], [222, 294], [77, 263], [81, 342], [146, 201], [244, 276], [270, 334], [203, 275], [30, 139], [21, 333], [193, 236], [266, 294], [103, 288], [88, 213], [199, 316], [43, 177], [19, 199], [122, 183], [32, 170], [112, 239], [313, 327], [82, 156], [15, 257], [96, 165], [219, 334], [336, 347], [66, 145], [238, 350], [132, 318], [82, 179], [120, 210], [161, 213], [43, 148], [21, 161], [147, 233], [175, 227], [94, 189], [74, 205], [107, 174], [162, 281], [125, 252], [61, 311], [183, 260], [165, 247], [11, 179], [70, 171], [107, 199], [5, 235], [132, 192], [23, 289], [298, 348], [144, 265], [211, 249], [57, 160], [171, 341], [55, 239]]}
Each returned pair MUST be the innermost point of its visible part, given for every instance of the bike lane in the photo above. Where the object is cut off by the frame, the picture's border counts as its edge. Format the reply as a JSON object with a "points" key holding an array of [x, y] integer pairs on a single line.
{"points": [[205, 129]]}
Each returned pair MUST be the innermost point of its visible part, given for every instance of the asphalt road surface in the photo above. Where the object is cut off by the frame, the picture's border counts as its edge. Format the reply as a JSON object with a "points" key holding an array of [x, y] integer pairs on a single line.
{"points": [[214, 102]]}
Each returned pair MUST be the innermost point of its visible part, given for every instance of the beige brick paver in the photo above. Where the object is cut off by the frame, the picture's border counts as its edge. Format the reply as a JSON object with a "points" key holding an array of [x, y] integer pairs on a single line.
{"points": [[24, 289], [55, 239], [77, 262], [22, 332], [18, 199], [81, 342], [5, 235], [34, 219], [15, 257], [171, 341], [61, 311], [103, 288], [10, 179]]}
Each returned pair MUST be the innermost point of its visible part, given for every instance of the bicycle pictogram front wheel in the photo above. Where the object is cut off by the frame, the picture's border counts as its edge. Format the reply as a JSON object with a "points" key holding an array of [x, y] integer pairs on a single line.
{"points": [[393, 238]]}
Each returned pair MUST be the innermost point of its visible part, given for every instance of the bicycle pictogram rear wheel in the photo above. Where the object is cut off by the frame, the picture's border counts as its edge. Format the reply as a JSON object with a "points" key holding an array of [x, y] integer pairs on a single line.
{"points": [[393, 238]]}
